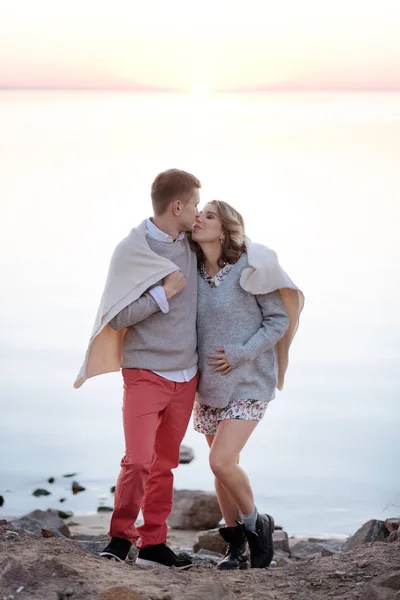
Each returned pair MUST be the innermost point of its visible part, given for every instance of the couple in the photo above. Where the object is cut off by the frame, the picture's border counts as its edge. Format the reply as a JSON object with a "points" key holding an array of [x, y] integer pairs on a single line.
{"points": [[191, 305]]}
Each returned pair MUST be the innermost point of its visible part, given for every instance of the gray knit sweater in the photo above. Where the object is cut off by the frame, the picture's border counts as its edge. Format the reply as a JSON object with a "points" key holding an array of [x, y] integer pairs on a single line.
{"points": [[248, 327], [160, 341]]}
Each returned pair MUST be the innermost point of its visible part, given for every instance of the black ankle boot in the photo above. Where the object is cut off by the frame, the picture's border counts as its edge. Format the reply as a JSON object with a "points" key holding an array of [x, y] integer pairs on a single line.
{"points": [[261, 543], [236, 554]]}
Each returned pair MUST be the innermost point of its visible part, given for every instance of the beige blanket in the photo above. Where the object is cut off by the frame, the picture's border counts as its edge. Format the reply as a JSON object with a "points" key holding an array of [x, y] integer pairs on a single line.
{"points": [[265, 275], [134, 268]]}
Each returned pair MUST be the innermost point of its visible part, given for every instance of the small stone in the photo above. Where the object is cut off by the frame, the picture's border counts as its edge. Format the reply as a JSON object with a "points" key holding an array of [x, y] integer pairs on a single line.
{"points": [[104, 509], [70, 474], [51, 480], [284, 562], [65, 514], [186, 455], [3, 521], [340, 573], [112, 489], [10, 535], [76, 487], [62, 499], [40, 492], [1, 500], [46, 533]]}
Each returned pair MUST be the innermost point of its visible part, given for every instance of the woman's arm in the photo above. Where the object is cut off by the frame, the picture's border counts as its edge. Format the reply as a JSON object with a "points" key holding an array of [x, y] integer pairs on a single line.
{"points": [[275, 322]]}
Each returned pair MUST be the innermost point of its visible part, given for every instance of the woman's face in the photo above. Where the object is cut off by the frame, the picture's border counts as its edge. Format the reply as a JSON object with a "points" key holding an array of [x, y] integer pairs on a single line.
{"points": [[207, 226]]}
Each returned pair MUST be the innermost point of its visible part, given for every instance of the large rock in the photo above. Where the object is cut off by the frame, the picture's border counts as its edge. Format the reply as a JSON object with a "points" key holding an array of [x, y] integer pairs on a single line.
{"points": [[194, 509], [186, 455], [392, 525], [371, 531], [47, 519], [305, 549], [394, 536], [331, 544], [281, 542], [210, 540]]}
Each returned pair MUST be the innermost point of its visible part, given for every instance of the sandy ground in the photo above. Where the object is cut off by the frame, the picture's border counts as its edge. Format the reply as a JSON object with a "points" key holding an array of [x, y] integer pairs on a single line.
{"points": [[60, 569]]}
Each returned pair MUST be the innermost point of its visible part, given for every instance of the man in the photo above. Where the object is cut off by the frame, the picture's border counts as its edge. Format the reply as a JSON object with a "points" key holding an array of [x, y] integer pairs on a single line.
{"points": [[148, 310]]}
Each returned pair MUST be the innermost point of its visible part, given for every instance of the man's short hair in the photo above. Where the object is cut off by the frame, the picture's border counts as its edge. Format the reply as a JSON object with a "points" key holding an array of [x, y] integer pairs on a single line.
{"points": [[171, 185]]}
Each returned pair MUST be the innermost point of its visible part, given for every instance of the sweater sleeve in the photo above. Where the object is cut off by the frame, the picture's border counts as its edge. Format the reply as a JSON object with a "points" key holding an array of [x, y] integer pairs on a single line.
{"points": [[136, 311], [275, 322]]}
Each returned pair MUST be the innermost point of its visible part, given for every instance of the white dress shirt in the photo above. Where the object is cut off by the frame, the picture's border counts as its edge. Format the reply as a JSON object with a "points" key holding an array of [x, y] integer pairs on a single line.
{"points": [[159, 296]]}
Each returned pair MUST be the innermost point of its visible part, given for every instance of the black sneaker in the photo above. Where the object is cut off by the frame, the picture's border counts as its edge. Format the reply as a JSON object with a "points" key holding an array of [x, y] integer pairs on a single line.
{"points": [[261, 543], [118, 548], [161, 556]]}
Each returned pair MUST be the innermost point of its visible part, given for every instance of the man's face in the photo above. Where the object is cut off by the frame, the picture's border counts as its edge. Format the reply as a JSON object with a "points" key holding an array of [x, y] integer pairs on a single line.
{"points": [[189, 211]]}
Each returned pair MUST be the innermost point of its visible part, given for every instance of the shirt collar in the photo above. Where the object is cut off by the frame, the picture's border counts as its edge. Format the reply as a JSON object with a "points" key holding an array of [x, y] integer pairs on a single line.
{"points": [[156, 234]]}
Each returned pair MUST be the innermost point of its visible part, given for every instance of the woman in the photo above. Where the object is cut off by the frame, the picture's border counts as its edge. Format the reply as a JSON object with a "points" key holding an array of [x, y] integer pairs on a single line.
{"points": [[241, 318]]}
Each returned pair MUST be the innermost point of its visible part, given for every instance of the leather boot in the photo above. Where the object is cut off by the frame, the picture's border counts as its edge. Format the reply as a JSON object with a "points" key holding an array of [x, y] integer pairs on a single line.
{"points": [[236, 555], [260, 543]]}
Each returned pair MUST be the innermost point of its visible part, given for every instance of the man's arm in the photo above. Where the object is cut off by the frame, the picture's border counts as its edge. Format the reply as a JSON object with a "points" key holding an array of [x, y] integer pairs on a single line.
{"points": [[150, 302], [136, 311]]}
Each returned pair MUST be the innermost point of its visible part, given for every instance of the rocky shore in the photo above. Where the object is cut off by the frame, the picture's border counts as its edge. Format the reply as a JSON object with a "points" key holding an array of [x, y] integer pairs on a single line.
{"points": [[54, 555], [43, 557]]}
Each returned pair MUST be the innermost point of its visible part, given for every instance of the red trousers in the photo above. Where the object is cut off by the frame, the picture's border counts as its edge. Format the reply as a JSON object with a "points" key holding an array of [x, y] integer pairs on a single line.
{"points": [[156, 414]]}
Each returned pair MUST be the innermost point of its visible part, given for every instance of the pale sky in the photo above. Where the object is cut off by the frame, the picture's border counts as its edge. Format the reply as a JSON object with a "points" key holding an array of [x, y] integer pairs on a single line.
{"points": [[214, 44]]}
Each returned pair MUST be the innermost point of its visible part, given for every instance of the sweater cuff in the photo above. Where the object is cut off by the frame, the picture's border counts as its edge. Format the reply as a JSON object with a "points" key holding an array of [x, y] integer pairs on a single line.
{"points": [[235, 354], [158, 293]]}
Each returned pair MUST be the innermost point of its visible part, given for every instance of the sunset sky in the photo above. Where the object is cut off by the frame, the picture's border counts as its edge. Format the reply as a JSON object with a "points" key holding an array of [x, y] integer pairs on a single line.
{"points": [[211, 45]]}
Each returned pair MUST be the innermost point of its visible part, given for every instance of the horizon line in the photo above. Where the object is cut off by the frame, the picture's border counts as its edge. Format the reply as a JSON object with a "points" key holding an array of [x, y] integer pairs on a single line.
{"points": [[246, 90]]}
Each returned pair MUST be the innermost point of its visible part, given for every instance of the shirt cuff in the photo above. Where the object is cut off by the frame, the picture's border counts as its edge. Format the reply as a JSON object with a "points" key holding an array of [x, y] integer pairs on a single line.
{"points": [[158, 293]]}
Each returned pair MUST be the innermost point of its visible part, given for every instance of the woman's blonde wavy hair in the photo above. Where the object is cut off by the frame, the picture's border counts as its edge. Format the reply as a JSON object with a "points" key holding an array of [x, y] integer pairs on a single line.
{"points": [[234, 231]]}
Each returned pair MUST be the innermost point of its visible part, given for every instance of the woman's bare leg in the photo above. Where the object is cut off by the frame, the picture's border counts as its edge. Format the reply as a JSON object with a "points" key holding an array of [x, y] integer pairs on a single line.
{"points": [[231, 437], [228, 506]]}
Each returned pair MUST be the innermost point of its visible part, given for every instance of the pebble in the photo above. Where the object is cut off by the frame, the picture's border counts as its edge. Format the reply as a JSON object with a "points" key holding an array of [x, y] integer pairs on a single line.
{"points": [[10, 535], [76, 487], [40, 492]]}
